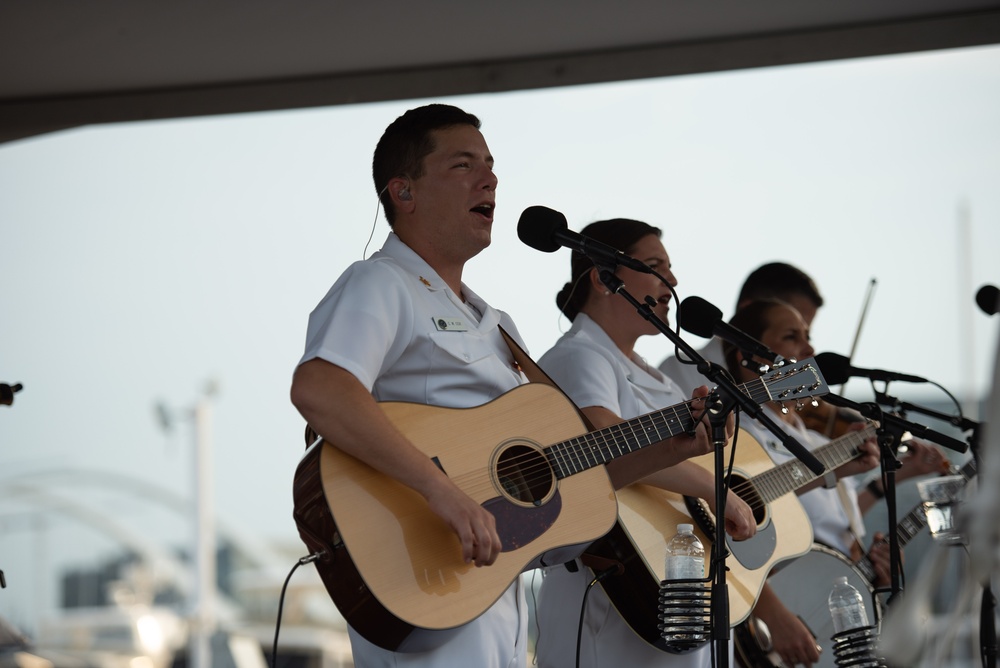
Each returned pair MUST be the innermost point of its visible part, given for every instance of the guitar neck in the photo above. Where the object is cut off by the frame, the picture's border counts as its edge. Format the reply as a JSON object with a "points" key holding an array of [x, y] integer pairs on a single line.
{"points": [[792, 475], [912, 524], [599, 447]]}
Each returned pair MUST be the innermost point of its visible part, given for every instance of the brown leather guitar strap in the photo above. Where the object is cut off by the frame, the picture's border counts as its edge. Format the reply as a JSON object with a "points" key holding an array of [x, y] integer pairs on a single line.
{"points": [[524, 363], [534, 373]]}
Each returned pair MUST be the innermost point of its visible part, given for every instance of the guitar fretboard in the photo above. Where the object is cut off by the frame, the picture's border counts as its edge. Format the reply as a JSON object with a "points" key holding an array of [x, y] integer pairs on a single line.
{"points": [[599, 447], [790, 476]]}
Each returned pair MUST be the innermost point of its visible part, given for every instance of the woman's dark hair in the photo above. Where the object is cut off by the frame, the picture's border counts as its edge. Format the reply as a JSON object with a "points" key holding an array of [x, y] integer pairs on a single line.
{"points": [[753, 319], [405, 144], [620, 233]]}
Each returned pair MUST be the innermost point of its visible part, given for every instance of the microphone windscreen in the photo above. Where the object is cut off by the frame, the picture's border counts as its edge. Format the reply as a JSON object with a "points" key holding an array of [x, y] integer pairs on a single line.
{"points": [[699, 317], [836, 368], [988, 299], [537, 227]]}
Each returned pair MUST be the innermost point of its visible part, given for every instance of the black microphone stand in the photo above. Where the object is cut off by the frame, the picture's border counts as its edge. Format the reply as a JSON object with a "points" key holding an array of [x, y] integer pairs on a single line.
{"points": [[960, 421], [889, 432], [730, 397], [987, 608]]}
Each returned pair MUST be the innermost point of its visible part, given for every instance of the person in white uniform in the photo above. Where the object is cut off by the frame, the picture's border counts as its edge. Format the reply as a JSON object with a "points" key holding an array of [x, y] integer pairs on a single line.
{"points": [[781, 328], [403, 326], [774, 280], [595, 364]]}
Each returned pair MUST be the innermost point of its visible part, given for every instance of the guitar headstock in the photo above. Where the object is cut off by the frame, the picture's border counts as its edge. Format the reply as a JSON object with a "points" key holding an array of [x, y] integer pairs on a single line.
{"points": [[795, 381]]}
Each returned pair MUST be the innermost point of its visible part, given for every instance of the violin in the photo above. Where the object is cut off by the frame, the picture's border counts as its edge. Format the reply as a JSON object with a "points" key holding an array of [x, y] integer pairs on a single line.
{"points": [[829, 420]]}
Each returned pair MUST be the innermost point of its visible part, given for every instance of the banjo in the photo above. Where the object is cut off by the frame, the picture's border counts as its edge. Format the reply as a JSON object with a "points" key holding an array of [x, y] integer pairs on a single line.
{"points": [[804, 584]]}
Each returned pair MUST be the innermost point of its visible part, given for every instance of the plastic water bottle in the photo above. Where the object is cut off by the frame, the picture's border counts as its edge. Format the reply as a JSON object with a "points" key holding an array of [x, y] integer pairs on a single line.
{"points": [[684, 617], [846, 607]]}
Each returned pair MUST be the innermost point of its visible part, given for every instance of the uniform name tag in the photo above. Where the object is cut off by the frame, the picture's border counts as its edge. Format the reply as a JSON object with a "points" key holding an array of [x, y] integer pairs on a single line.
{"points": [[446, 324]]}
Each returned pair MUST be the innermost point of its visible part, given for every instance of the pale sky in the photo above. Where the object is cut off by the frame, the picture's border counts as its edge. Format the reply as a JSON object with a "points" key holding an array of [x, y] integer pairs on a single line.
{"points": [[141, 260]]}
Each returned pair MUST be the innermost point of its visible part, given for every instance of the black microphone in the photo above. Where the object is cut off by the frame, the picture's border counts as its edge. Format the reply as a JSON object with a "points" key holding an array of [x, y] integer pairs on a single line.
{"points": [[837, 369], [7, 393], [988, 299], [701, 318], [546, 230]]}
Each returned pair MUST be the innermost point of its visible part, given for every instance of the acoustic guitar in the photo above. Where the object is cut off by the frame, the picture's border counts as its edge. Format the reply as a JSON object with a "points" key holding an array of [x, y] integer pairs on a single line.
{"points": [[648, 518], [391, 565]]}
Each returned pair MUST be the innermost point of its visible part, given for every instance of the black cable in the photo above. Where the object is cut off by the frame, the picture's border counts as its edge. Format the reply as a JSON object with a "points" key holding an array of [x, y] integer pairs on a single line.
{"points": [[538, 625], [583, 605], [281, 602]]}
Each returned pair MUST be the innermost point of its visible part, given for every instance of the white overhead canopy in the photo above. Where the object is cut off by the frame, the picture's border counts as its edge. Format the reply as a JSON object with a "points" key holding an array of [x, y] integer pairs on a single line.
{"points": [[67, 63]]}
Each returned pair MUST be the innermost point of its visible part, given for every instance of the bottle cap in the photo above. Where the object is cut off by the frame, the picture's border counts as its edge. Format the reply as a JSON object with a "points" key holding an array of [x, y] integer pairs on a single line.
{"points": [[686, 528]]}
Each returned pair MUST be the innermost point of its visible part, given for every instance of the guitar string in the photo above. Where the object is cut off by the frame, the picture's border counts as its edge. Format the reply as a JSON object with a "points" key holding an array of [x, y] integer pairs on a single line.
{"points": [[779, 481], [574, 455], [575, 458], [597, 443], [581, 453], [586, 450], [782, 479]]}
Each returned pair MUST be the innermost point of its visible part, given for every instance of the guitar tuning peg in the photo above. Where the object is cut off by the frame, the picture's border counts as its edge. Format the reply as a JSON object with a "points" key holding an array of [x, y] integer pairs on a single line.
{"points": [[784, 409], [814, 402]]}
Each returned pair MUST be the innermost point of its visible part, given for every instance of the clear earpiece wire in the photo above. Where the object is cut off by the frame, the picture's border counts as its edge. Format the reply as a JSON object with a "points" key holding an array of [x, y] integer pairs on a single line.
{"points": [[371, 235]]}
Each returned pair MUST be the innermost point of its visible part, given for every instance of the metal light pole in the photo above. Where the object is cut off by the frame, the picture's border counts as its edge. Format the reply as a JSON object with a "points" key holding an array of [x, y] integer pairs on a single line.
{"points": [[203, 617]]}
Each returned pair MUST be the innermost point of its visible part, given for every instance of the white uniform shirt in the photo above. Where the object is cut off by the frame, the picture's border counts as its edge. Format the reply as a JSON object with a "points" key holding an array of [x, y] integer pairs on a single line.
{"points": [[823, 506], [588, 366], [396, 326], [393, 323]]}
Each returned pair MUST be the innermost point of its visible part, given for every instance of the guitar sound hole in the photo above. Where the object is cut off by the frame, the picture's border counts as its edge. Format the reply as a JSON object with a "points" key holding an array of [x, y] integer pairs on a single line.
{"points": [[749, 494], [524, 474]]}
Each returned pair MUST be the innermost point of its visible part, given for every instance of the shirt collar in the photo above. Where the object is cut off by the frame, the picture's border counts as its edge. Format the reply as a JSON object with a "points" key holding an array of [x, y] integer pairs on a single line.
{"points": [[637, 375], [409, 260]]}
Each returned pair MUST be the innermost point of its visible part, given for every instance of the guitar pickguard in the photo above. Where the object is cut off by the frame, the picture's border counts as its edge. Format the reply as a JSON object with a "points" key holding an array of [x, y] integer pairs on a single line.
{"points": [[757, 552], [753, 553], [518, 525]]}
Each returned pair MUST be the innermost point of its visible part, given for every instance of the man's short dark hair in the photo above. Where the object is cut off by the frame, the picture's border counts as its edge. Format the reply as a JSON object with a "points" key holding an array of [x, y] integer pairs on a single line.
{"points": [[407, 141], [778, 280]]}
